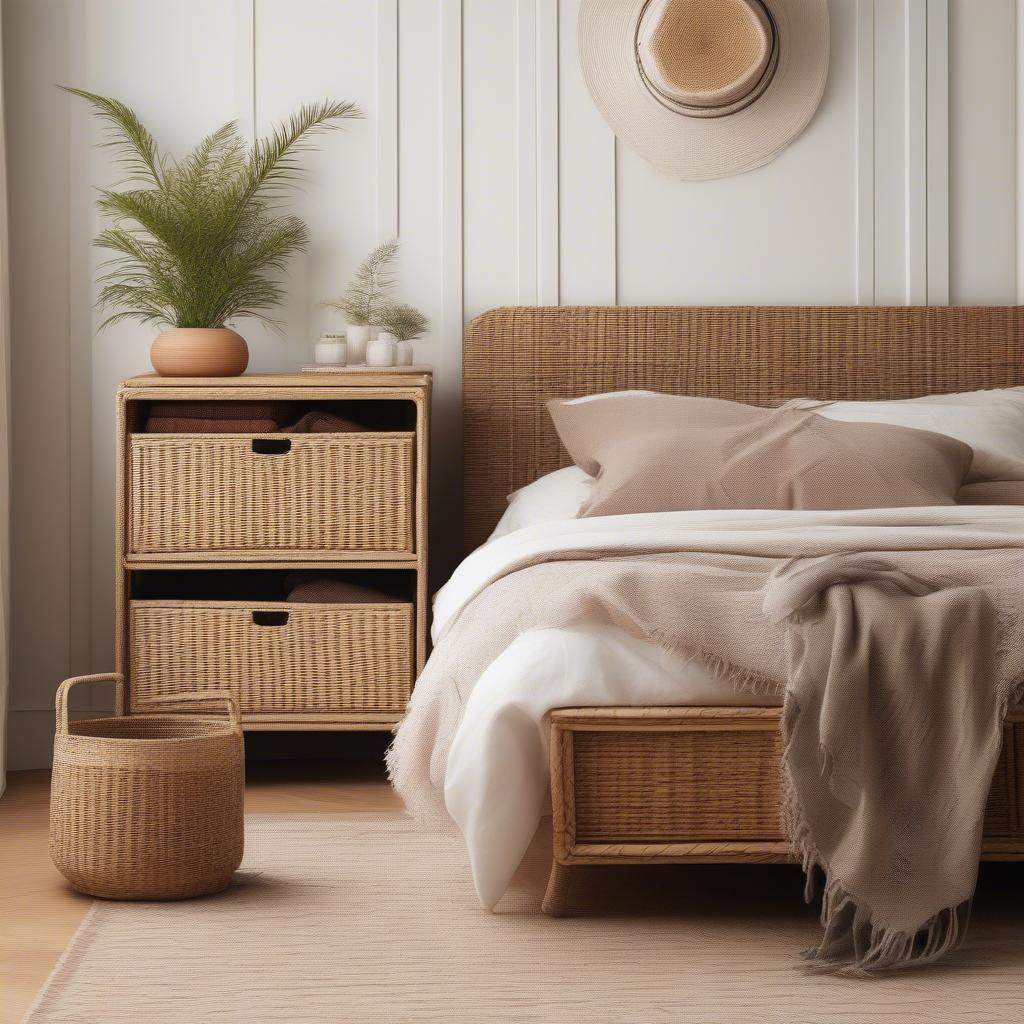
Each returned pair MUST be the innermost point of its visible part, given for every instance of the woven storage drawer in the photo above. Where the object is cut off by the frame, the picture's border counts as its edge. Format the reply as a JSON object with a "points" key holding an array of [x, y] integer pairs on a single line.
{"points": [[273, 493], [275, 657]]}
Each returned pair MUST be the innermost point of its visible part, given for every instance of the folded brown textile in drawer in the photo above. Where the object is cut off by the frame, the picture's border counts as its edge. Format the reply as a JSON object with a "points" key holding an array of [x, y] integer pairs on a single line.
{"points": [[324, 590], [279, 412], [186, 425], [320, 422]]}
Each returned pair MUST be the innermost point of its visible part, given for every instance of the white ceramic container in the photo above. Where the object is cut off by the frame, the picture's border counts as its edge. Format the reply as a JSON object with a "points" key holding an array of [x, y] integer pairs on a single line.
{"points": [[382, 350], [330, 350], [358, 337], [403, 353]]}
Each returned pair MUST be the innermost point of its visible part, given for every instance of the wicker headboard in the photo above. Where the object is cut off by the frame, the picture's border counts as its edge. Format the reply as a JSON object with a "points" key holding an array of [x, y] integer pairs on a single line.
{"points": [[516, 359]]}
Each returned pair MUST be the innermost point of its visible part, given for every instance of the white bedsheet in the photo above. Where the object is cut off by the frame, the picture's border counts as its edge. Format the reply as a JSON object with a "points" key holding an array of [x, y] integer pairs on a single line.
{"points": [[496, 784]]}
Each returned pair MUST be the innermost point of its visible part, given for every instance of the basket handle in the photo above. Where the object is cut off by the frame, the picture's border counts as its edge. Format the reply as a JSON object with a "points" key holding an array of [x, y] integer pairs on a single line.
{"points": [[234, 716], [65, 688]]}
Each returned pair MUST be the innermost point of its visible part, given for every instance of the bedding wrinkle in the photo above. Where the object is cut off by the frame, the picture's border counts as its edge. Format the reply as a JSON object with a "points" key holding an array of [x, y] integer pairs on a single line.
{"points": [[897, 636]]}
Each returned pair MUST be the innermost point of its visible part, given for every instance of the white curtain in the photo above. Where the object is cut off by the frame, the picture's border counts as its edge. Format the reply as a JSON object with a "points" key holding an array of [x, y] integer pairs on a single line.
{"points": [[5, 443]]}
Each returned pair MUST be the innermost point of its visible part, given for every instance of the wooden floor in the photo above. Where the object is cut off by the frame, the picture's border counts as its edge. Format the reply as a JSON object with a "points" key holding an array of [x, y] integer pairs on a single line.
{"points": [[39, 913]]}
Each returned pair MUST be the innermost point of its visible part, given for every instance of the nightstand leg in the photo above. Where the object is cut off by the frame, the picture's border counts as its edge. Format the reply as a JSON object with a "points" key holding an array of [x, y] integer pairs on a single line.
{"points": [[556, 899]]}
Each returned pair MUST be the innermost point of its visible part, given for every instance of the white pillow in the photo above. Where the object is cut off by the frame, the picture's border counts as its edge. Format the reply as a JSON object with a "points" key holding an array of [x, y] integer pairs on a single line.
{"points": [[554, 496], [991, 422]]}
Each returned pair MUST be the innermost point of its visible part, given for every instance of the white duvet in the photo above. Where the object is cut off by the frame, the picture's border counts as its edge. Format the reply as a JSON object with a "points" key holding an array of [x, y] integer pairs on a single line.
{"points": [[496, 782]]}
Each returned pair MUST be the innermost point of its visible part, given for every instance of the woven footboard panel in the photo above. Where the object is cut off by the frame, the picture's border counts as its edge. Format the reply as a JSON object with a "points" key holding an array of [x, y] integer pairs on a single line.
{"points": [[640, 775]]}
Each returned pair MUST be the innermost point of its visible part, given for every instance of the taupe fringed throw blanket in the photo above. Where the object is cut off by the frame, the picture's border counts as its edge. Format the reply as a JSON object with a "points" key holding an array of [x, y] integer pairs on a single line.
{"points": [[897, 664]]}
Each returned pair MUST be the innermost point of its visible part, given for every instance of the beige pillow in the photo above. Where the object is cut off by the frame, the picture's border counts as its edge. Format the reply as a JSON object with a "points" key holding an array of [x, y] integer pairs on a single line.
{"points": [[993, 492], [660, 453], [991, 422]]}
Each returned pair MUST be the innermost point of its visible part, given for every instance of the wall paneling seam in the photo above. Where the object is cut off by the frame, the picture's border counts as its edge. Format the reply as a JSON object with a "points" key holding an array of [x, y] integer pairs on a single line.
{"points": [[526, 152], [865, 149], [615, 197], [82, 652], [548, 233], [915, 164], [451, 234], [447, 415], [937, 154], [245, 66], [387, 120], [1019, 66]]}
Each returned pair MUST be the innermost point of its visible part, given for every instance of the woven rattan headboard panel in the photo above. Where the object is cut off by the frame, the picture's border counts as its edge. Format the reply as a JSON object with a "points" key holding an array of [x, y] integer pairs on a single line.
{"points": [[515, 359]]}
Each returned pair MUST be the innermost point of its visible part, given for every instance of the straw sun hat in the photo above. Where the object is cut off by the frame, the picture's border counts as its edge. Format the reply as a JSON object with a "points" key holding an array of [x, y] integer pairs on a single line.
{"points": [[705, 88]]}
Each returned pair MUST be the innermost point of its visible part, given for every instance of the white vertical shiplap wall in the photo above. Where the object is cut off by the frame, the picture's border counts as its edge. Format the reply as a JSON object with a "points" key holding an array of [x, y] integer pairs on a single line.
{"points": [[481, 147], [588, 211], [984, 68]]}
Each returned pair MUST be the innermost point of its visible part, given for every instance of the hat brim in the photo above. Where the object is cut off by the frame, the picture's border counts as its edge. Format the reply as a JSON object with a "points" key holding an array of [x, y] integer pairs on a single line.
{"points": [[700, 148]]}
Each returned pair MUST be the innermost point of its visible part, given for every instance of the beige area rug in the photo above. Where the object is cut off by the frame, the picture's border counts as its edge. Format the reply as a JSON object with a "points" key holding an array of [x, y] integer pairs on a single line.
{"points": [[361, 918]]}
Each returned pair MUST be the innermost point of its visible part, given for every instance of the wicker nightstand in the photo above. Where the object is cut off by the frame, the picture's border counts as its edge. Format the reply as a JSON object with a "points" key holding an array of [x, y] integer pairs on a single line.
{"points": [[213, 529]]}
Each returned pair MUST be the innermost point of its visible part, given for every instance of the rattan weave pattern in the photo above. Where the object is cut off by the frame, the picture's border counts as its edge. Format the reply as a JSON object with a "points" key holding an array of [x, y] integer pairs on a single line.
{"points": [[660, 786], [1004, 812], [515, 359], [147, 808], [327, 492], [719, 785], [325, 658]]}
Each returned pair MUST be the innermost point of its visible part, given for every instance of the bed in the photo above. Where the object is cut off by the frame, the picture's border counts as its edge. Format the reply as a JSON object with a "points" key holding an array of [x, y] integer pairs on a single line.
{"points": [[635, 784]]}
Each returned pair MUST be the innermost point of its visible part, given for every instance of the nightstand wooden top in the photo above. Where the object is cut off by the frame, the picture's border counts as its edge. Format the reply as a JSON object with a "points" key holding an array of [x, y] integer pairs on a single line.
{"points": [[343, 378]]}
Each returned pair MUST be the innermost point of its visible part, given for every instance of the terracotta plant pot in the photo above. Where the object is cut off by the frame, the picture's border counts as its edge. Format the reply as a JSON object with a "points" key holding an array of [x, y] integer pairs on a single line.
{"points": [[199, 352]]}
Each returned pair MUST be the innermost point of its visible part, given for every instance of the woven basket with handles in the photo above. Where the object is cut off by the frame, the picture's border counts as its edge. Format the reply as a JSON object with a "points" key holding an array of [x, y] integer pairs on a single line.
{"points": [[147, 807]]}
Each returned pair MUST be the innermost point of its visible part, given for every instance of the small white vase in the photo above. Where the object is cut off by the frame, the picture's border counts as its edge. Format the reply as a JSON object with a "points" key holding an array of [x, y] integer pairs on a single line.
{"points": [[358, 335], [403, 353], [381, 351], [330, 350]]}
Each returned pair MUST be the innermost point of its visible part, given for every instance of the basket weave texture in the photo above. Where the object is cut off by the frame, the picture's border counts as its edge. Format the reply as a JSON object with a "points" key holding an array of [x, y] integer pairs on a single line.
{"points": [[147, 808], [313, 658], [315, 492], [635, 785]]}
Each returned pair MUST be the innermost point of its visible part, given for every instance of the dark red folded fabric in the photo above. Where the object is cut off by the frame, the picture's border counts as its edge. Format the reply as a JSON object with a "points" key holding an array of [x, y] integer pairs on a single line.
{"points": [[319, 422], [280, 412], [184, 425]]}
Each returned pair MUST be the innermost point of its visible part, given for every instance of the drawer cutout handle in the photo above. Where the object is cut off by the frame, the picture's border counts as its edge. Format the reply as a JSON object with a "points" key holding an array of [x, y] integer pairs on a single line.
{"points": [[270, 618], [271, 445]]}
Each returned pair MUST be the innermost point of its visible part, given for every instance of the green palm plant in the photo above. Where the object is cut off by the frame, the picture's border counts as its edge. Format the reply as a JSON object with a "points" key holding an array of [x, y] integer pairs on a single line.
{"points": [[405, 322], [198, 241], [366, 295]]}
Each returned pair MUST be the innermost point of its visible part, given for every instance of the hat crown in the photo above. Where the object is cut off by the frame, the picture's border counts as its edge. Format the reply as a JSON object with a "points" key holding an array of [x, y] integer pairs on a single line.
{"points": [[649, 64], [708, 54]]}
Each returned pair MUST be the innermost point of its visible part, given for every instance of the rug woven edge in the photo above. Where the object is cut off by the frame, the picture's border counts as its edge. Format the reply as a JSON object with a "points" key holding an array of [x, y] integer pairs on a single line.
{"points": [[68, 960], [77, 945]]}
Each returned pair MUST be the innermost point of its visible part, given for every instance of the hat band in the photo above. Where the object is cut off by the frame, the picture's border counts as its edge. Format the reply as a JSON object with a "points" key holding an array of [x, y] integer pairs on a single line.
{"points": [[689, 110]]}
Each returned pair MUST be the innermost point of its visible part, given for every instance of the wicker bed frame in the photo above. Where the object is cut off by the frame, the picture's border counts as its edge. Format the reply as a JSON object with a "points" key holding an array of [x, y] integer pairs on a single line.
{"points": [[701, 784]]}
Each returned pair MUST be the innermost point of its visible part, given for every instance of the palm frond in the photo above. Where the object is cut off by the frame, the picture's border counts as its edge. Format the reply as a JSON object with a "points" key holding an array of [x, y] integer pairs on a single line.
{"points": [[366, 294], [199, 242], [272, 163], [188, 176], [403, 321], [127, 134]]}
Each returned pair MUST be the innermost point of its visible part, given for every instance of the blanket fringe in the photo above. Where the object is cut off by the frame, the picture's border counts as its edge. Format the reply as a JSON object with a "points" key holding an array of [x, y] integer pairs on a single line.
{"points": [[854, 944], [413, 748], [743, 680]]}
